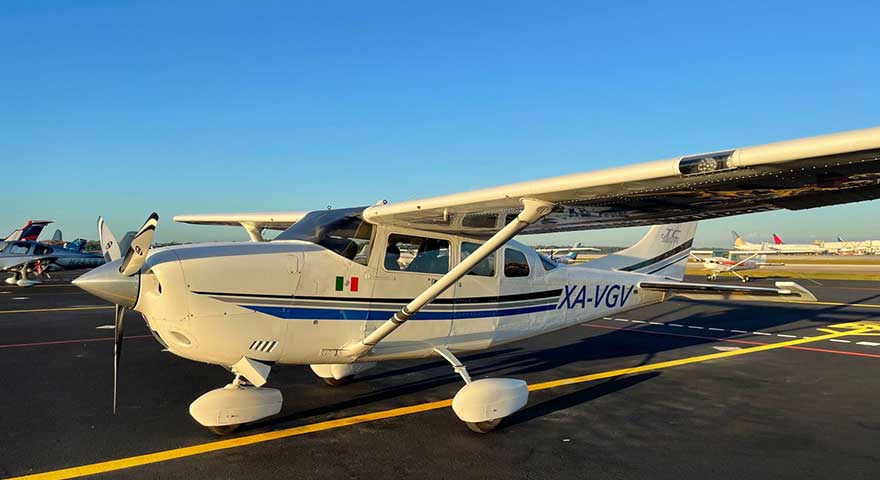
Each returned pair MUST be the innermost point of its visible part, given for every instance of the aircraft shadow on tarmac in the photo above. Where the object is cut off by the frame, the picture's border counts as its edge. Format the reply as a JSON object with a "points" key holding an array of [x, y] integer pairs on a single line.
{"points": [[512, 362]]}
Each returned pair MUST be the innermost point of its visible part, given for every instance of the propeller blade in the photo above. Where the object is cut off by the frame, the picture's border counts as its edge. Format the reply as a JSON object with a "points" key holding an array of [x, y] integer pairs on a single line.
{"points": [[140, 246], [117, 349], [109, 245]]}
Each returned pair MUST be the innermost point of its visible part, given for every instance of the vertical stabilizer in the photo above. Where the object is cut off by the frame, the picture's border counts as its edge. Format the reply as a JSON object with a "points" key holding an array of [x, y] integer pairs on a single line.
{"points": [[664, 250], [777, 240]]}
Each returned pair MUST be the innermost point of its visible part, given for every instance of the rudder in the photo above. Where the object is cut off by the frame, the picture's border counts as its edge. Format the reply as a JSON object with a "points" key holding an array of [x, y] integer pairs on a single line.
{"points": [[664, 250]]}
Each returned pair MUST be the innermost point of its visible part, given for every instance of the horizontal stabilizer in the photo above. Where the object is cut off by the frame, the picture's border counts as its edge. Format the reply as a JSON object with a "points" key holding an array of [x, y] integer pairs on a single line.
{"points": [[784, 291]]}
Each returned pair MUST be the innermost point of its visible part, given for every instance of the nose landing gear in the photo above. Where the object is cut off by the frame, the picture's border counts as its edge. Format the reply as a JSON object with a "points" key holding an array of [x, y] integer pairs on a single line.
{"points": [[224, 410]]}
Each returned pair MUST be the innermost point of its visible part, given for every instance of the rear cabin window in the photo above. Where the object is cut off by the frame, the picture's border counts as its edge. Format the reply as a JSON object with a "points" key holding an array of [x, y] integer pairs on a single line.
{"points": [[486, 268], [408, 253], [515, 264], [547, 263]]}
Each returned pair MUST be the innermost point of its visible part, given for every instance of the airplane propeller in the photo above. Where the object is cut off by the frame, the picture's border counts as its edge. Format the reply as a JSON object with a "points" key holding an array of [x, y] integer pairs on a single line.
{"points": [[117, 281]]}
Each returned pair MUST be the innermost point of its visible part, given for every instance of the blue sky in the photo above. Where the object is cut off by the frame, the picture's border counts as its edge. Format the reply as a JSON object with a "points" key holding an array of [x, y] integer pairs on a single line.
{"points": [[122, 108]]}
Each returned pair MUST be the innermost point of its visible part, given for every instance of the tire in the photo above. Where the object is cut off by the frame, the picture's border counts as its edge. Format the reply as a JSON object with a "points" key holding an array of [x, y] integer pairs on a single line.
{"points": [[747, 278], [222, 430], [483, 427], [709, 277], [338, 382]]}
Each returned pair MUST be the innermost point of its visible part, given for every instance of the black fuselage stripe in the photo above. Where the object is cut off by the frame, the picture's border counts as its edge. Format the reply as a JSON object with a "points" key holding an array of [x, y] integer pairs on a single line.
{"points": [[684, 246], [440, 301]]}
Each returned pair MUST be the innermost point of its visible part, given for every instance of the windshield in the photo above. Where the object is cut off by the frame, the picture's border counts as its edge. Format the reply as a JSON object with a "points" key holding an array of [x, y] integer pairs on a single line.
{"points": [[341, 231]]}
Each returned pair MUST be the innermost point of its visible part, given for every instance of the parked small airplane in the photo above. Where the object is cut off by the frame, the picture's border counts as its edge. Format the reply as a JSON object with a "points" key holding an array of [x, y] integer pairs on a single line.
{"points": [[716, 265], [566, 256], [21, 257], [331, 292]]}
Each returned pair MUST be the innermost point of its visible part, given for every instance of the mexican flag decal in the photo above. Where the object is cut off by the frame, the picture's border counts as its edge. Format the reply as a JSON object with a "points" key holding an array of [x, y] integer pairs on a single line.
{"points": [[352, 283]]}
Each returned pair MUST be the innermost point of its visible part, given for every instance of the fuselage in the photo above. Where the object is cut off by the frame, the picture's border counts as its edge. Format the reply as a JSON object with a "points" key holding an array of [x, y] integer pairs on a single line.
{"points": [[297, 302], [14, 253]]}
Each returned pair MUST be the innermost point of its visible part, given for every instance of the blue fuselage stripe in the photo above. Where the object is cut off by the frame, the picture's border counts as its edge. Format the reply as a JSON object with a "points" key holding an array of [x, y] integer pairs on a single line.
{"points": [[296, 313]]}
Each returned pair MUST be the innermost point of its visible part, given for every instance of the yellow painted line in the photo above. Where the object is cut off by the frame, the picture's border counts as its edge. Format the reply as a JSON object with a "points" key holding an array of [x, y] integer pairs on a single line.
{"points": [[150, 458], [837, 304], [60, 309]]}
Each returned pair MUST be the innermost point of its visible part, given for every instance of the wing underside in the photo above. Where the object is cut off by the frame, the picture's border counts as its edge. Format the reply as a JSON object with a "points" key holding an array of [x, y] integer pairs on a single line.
{"points": [[794, 175]]}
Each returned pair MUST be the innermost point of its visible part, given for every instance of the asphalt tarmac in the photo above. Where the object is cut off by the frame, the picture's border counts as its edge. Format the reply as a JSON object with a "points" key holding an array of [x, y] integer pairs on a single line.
{"points": [[795, 408]]}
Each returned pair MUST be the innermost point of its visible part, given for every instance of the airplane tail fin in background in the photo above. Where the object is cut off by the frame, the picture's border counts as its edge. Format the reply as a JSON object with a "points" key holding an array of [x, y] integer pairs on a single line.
{"points": [[574, 253], [737, 240], [57, 237], [840, 239], [777, 240], [32, 229], [664, 250]]}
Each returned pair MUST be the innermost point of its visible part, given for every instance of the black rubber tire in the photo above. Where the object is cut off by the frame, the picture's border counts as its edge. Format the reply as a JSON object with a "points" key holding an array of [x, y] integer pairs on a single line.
{"points": [[746, 278], [222, 430], [709, 277], [338, 382], [483, 427]]}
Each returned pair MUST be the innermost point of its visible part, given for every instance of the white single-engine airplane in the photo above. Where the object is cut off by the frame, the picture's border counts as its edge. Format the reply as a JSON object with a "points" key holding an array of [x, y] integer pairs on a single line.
{"points": [[715, 265], [330, 291]]}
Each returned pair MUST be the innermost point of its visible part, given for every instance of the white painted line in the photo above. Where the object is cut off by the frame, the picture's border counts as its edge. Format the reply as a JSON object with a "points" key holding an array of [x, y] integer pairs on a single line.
{"points": [[607, 318], [694, 326], [785, 336], [20, 298], [619, 319], [838, 340], [674, 325], [716, 329], [762, 333], [105, 327], [869, 344], [739, 331], [656, 323], [726, 349], [637, 321]]}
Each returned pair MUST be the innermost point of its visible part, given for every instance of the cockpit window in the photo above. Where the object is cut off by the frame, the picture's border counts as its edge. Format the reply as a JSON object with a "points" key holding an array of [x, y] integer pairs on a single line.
{"points": [[341, 231], [19, 248]]}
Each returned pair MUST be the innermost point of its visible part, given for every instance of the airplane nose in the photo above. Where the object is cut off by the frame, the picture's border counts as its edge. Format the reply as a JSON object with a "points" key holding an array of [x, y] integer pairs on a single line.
{"points": [[107, 283]]}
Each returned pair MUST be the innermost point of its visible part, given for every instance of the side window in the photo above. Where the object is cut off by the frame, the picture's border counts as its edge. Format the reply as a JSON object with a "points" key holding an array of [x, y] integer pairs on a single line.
{"points": [[515, 263], [407, 253], [485, 268], [19, 248], [547, 263]]}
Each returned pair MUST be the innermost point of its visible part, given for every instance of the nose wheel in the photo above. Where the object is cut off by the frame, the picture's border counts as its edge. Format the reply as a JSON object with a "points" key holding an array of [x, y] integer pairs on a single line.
{"points": [[222, 430], [483, 427]]}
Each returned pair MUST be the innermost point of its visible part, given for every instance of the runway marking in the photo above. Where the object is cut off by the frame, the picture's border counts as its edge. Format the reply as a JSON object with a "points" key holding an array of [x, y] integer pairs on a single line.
{"points": [[105, 327], [870, 328], [162, 456], [61, 342], [59, 309], [839, 341], [20, 298], [733, 340], [836, 304]]}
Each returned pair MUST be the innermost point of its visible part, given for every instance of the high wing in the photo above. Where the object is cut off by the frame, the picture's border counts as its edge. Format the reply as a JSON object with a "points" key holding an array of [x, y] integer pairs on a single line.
{"points": [[253, 223], [794, 175]]}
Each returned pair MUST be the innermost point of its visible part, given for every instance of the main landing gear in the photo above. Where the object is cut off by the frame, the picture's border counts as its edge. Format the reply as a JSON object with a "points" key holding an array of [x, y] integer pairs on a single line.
{"points": [[482, 404], [224, 410]]}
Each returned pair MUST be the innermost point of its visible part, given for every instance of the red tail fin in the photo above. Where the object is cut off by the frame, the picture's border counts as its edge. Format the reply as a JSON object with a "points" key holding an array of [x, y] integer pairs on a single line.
{"points": [[777, 240]]}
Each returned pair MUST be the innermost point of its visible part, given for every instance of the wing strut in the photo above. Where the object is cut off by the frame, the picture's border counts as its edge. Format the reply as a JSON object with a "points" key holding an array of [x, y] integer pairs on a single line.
{"points": [[533, 210]]}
